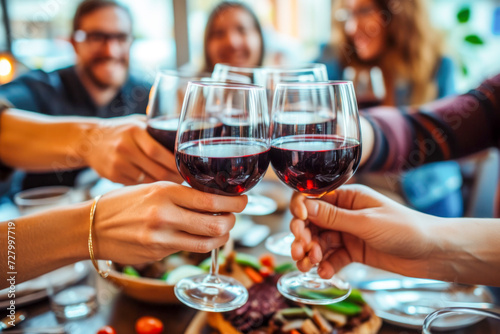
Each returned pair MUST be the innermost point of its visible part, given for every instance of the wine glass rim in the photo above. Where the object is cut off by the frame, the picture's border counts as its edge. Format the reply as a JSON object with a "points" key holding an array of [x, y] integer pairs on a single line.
{"points": [[275, 68], [315, 83], [185, 74], [227, 85]]}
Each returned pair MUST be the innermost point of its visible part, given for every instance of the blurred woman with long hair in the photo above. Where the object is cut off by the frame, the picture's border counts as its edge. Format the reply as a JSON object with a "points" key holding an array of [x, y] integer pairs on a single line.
{"points": [[397, 37], [233, 35]]}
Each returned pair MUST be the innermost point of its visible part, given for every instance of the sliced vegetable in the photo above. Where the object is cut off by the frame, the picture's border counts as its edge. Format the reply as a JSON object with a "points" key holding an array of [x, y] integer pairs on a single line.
{"points": [[164, 276], [130, 271], [253, 274], [267, 260], [293, 312], [323, 324], [248, 260], [182, 272], [345, 307], [292, 325], [265, 271], [354, 297], [308, 327], [338, 319], [284, 268], [205, 264]]}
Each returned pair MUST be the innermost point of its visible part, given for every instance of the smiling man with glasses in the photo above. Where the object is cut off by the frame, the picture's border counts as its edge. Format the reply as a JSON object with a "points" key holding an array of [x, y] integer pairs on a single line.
{"points": [[98, 85]]}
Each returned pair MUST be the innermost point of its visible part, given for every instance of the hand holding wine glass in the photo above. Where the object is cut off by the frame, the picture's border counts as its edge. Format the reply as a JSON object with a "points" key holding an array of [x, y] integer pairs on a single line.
{"points": [[315, 159], [224, 160]]}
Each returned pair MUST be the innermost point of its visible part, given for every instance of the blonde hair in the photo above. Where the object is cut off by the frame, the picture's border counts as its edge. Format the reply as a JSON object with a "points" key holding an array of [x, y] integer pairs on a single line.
{"points": [[413, 50]]}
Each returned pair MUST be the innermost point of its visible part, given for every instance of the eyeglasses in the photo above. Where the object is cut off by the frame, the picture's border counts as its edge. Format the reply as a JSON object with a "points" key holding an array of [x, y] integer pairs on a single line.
{"points": [[344, 15], [98, 38]]}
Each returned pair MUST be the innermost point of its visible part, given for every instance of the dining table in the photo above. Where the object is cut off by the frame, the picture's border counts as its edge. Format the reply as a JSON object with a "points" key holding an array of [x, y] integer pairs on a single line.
{"points": [[121, 311]]}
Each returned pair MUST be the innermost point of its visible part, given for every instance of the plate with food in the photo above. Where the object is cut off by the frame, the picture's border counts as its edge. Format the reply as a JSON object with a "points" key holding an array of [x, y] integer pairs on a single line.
{"points": [[409, 307], [267, 311], [154, 282]]}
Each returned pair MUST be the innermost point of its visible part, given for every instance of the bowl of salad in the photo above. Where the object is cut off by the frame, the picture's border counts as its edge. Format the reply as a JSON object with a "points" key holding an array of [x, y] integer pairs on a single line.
{"points": [[154, 282]]}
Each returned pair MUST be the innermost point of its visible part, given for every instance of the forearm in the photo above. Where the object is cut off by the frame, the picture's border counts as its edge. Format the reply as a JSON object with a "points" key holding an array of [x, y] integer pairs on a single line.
{"points": [[40, 143], [44, 241], [467, 251], [367, 140]]}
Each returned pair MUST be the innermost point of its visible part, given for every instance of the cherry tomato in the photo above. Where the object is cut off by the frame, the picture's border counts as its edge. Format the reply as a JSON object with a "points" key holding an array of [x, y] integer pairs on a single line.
{"points": [[265, 271], [148, 325], [267, 260], [106, 330]]}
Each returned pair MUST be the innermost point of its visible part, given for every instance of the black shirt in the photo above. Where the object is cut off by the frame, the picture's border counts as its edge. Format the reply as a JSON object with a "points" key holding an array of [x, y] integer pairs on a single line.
{"points": [[61, 93]]}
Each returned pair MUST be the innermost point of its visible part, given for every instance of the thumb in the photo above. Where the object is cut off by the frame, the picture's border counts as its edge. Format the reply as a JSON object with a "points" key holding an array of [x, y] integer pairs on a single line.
{"points": [[331, 217]]}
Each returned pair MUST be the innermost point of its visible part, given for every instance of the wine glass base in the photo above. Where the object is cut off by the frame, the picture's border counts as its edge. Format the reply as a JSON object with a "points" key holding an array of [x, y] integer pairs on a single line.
{"points": [[211, 293], [280, 243], [310, 289]]}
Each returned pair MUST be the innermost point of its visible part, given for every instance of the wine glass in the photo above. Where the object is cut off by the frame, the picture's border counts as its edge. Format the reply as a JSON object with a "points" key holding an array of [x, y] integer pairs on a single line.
{"points": [[165, 103], [368, 85], [269, 77], [453, 317], [221, 160], [314, 159]]}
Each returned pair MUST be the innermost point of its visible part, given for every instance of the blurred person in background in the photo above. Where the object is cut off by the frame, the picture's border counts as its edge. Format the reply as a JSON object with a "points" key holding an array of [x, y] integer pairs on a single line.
{"points": [[394, 42], [98, 85], [233, 36], [397, 37]]}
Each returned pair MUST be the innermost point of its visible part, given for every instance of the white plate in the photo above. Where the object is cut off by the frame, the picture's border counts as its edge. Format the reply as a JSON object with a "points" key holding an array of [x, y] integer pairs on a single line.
{"points": [[259, 205], [35, 289], [385, 304]]}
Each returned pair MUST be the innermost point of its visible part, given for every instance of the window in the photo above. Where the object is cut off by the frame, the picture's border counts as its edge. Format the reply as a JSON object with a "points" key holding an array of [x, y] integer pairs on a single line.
{"points": [[41, 30]]}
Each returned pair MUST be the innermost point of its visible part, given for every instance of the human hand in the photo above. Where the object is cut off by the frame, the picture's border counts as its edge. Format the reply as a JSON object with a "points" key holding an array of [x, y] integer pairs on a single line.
{"points": [[121, 150], [148, 222], [356, 224]]}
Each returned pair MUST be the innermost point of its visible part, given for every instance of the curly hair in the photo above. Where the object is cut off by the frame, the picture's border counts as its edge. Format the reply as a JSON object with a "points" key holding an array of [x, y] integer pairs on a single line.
{"points": [[413, 50]]}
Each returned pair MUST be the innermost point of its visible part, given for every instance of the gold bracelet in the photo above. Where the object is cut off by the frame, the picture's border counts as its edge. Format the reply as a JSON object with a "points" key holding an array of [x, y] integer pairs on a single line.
{"points": [[103, 274]]}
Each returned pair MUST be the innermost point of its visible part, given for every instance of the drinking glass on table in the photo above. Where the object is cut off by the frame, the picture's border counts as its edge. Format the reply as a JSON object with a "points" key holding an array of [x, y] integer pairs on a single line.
{"points": [[165, 103], [67, 302], [368, 84], [314, 159], [221, 159], [269, 77], [454, 317]]}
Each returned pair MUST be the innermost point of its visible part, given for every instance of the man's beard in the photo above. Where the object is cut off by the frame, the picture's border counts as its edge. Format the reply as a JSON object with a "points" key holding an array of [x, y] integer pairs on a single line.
{"points": [[87, 69]]}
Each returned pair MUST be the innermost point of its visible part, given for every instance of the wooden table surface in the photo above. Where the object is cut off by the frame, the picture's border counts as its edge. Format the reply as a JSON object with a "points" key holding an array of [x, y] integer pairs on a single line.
{"points": [[121, 312]]}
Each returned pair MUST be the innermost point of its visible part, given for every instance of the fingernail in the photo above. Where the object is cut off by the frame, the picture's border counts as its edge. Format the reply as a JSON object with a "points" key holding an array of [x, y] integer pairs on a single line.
{"points": [[312, 207]]}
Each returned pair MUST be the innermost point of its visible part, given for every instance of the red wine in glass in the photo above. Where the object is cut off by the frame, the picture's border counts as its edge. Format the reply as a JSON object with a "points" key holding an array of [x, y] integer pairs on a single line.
{"points": [[315, 164], [368, 103], [164, 131], [224, 166], [301, 122]]}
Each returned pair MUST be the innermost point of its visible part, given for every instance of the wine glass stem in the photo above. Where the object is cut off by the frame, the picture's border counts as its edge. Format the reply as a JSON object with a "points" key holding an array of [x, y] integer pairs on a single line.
{"points": [[311, 278], [213, 276]]}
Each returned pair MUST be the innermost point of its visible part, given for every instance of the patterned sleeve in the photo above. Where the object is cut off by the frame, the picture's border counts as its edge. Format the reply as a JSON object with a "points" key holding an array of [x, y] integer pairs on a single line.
{"points": [[5, 171], [445, 129]]}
